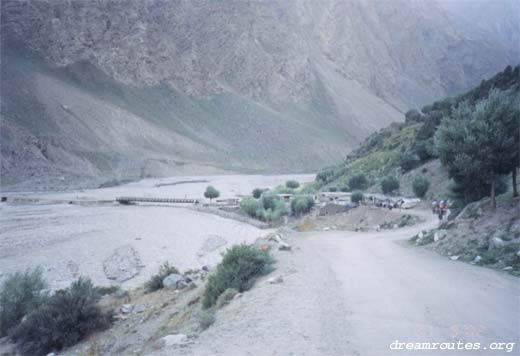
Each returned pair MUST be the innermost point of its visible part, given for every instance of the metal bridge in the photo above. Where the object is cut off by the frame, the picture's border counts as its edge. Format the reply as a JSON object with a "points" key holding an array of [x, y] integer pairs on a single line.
{"points": [[129, 200]]}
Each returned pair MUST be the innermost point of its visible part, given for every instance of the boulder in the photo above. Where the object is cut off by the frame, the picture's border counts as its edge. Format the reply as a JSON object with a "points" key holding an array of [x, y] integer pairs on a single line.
{"points": [[172, 340], [495, 242], [454, 258], [275, 280], [139, 308], [477, 259], [174, 281], [508, 268], [123, 264], [127, 308], [439, 235]]}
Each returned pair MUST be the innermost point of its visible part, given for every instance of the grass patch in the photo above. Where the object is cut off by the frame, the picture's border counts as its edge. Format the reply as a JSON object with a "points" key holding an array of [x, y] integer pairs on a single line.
{"points": [[207, 318], [239, 268]]}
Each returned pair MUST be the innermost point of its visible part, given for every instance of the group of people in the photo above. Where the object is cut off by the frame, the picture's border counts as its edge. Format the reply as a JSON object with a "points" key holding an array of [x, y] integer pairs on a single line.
{"points": [[441, 208]]}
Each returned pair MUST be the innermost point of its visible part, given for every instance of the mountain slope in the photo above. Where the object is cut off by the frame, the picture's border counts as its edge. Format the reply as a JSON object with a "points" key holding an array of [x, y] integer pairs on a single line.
{"points": [[131, 88]]}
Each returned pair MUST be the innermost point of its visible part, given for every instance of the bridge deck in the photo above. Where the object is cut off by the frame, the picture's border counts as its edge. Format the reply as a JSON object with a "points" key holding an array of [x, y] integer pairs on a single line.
{"points": [[126, 200]]}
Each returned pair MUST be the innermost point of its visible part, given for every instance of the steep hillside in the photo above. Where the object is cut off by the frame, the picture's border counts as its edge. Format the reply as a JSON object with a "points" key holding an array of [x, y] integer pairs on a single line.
{"points": [[129, 88]]}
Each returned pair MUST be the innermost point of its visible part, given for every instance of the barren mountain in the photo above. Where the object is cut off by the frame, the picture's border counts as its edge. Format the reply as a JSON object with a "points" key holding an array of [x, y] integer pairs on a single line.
{"points": [[130, 88]]}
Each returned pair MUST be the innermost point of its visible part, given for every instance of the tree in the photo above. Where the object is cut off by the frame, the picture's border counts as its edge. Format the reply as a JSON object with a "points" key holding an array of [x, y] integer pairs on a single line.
{"points": [[420, 186], [358, 182], [292, 184], [479, 144], [211, 193], [301, 205], [356, 197], [408, 162], [257, 193], [389, 184]]}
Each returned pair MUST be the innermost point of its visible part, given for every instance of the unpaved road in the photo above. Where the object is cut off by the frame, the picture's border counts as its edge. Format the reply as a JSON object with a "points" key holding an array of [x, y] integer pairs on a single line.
{"points": [[347, 293]]}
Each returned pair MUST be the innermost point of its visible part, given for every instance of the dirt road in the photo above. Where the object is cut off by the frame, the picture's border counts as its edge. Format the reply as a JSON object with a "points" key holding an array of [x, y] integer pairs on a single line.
{"points": [[347, 293]]}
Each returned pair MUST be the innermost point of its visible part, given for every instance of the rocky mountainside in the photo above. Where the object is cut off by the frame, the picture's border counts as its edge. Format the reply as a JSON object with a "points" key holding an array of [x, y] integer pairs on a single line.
{"points": [[129, 88]]}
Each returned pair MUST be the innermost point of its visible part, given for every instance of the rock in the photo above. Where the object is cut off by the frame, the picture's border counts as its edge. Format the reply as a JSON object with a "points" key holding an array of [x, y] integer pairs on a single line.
{"points": [[192, 285], [439, 235], [454, 258], [127, 308], [139, 308], [495, 242], [508, 268], [172, 340], [120, 293], [275, 280], [212, 243], [174, 281], [477, 259], [123, 264], [205, 268], [326, 228], [51, 354], [284, 247], [518, 253], [420, 235], [238, 295], [395, 226]]}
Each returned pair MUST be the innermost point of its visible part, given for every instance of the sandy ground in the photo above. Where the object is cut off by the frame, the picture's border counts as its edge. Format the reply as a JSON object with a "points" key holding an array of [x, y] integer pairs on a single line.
{"points": [[72, 240], [349, 293]]}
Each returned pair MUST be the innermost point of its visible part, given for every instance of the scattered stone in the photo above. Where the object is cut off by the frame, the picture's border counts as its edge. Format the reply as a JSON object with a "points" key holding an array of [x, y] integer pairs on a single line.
{"points": [[205, 268], [439, 235], [326, 228], [454, 258], [477, 259], [518, 253], [395, 226], [127, 308], [508, 268], [139, 308], [495, 242], [172, 340], [275, 280], [238, 295], [174, 281], [285, 247], [123, 264], [192, 285]]}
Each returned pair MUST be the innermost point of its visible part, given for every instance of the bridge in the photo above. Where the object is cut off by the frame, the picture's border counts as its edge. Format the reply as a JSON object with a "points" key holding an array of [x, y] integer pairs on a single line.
{"points": [[129, 200]]}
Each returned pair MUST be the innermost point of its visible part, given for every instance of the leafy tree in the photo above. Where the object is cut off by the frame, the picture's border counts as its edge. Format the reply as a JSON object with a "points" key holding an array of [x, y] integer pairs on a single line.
{"points": [[420, 186], [356, 197], [257, 193], [333, 189], [292, 184], [408, 162], [301, 205], [478, 145], [211, 193], [358, 182], [389, 184], [412, 116], [325, 177]]}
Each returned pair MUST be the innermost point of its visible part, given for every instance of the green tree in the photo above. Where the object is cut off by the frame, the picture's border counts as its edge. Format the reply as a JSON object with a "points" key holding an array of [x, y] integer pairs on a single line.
{"points": [[389, 184], [257, 193], [479, 144], [359, 182], [292, 184], [211, 193], [356, 197], [420, 186]]}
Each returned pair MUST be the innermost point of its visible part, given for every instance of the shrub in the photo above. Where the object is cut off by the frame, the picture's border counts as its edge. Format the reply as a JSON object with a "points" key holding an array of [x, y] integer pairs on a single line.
{"points": [[292, 184], [269, 201], [333, 189], [239, 267], [206, 318], [156, 281], [408, 162], [412, 116], [107, 290], [63, 320], [301, 205], [345, 189], [358, 182], [420, 186], [250, 206], [20, 294], [325, 177], [211, 192], [356, 197], [389, 184], [226, 297], [257, 193]]}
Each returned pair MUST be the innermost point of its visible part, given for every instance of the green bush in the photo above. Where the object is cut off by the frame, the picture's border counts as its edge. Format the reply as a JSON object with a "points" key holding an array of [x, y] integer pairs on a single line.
{"points": [[211, 192], [420, 186], [257, 193], [63, 320], [292, 184], [226, 297], [325, 177], [345, 189], [408, 162], [250, 206], [156, 281], [389, 184], [356, 197], [207, 318], [269, 201], [20, 294], [301, 205], [240, 266], [333, 189], [358, 182]]}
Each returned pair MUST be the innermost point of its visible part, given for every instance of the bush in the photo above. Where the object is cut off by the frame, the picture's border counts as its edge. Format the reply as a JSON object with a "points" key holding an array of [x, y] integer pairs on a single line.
{"points": [[389, 184], [356, 197], [156, 281], [420, 186], [269, 201], [257, 193], [250, 206], [240, 266], [226, 297], [63, 320], [206, 318], [333, 189], [325, 177], [358, 182], [301, 205], [412, 116], [211, 192], [345, 189], [20, 294], [292, 184], [408, 162]]}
